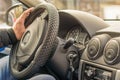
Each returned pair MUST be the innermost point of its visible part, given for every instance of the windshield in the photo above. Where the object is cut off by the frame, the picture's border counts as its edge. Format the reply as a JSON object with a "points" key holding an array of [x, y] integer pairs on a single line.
{"points": [[106, 9]]}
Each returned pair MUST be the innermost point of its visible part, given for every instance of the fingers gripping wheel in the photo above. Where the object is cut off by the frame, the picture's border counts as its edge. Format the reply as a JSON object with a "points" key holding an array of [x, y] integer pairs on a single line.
{"points": [[34, 49]]}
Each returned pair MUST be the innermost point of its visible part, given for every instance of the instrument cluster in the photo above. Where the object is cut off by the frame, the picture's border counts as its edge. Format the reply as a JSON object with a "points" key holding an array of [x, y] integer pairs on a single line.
{"points": [[79, 35]]}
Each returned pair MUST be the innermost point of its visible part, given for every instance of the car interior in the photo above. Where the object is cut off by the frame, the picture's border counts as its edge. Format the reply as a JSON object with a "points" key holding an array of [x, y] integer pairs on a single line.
{"points": [[67, 44]]}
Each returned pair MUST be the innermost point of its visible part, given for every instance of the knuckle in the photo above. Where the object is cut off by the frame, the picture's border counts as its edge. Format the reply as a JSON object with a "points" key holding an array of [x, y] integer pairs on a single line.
{"points": [[25, 13], [20, 21]]}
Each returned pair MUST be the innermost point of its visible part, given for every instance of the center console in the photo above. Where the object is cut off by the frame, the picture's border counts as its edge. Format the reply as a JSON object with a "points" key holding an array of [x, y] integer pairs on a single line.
{"points": [[96, 73], [92, 71]]}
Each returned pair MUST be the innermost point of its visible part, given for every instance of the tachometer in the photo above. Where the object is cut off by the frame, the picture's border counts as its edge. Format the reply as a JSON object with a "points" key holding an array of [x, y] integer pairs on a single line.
{"points": [[79, 35], [73, 33]]}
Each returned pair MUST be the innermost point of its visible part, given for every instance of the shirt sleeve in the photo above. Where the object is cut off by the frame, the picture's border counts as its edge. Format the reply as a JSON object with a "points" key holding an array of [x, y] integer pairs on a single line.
{"points": [[7, 37]]}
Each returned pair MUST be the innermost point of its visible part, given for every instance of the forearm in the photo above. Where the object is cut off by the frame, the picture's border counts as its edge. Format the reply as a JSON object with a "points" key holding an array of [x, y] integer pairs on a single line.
{"points": [[7, 36]]}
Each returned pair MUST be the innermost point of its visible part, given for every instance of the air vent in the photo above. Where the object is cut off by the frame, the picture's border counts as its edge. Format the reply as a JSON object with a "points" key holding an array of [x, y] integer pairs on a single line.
{"points": [[112, 52], [96, 46]]}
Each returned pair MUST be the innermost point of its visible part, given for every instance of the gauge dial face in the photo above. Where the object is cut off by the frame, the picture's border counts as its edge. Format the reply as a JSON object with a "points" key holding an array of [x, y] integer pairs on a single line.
{"points": [[73, 33], [78, 35]]}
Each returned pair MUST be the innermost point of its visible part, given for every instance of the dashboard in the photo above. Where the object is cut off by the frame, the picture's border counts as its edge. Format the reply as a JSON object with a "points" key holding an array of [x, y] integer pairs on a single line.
{"points": [[80, 29], [78, 37]]}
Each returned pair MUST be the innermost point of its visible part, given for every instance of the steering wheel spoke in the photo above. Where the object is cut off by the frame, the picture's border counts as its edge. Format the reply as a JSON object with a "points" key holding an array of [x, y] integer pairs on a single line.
{"points": [[16, 65]]}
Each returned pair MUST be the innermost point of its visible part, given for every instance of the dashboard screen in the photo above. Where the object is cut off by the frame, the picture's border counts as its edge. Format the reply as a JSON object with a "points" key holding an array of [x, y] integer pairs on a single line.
{"points": [[94, 73]]}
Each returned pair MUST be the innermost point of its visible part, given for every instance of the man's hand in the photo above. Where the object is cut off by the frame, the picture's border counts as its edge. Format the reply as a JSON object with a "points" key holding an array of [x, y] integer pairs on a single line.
{"points": [[18, 26]]}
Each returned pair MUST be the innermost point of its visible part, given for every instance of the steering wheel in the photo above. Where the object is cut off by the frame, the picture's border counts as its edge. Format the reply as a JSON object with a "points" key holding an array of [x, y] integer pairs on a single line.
{"points": [[35, 46]]}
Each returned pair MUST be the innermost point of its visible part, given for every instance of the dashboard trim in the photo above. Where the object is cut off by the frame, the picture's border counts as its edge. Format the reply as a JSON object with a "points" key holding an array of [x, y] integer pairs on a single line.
{"points": [[83, 62]]}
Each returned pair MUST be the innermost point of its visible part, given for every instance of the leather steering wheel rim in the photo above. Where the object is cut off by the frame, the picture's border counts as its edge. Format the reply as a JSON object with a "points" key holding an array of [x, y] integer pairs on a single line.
{"points": [[22, 68]]}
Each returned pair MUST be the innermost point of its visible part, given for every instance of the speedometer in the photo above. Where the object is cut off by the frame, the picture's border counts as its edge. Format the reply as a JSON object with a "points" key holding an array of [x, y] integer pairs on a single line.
{"points": [[73, 33], [79, 35]]}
